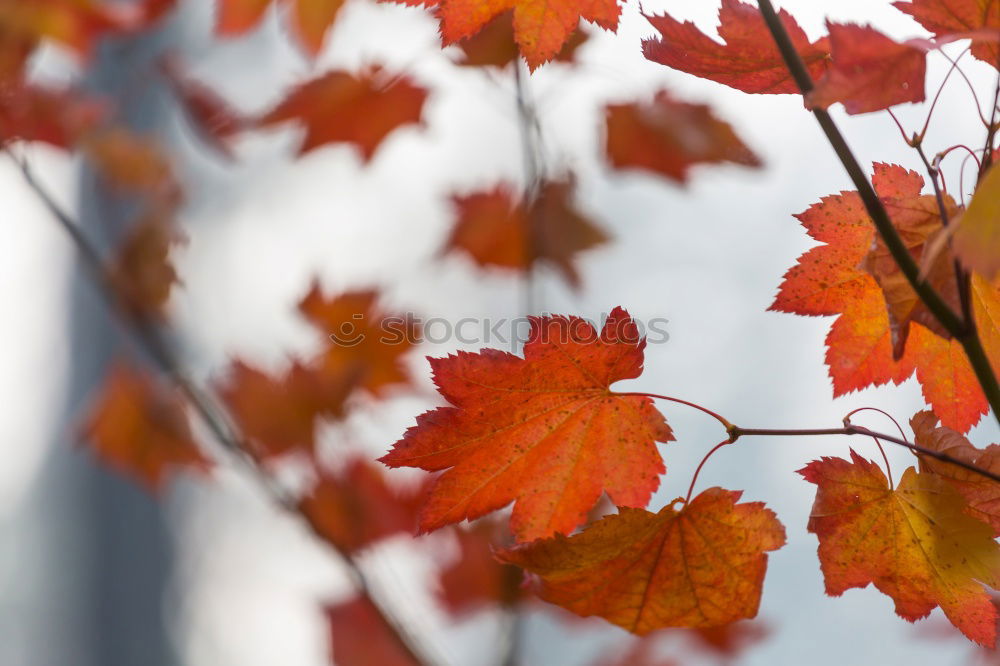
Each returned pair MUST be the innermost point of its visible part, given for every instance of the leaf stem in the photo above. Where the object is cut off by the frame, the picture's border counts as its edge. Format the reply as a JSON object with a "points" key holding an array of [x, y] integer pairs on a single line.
{"points": [[697, 470], [725, 424], [962, 330], [209, 410]]}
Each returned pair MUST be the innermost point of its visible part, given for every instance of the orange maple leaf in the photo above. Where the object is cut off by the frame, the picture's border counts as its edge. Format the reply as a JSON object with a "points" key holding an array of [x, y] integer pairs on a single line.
{"points": [[668, 137], [361, 637], [947, 17], [496, 46], [142, 272], [497, 229], [541, 27], [915, 543], [544, 431], [982, 494], [883, 332], [748, 61], [340, 107], [276, 414], [869, 71], [476, 579], [702, 566], [310, 19], [59, 117], [77, 24], [355, 508], [367, 347], [141, 428]]}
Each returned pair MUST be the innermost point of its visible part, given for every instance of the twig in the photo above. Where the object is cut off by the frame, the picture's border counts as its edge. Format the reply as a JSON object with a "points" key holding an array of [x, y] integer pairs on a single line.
{"points": [[850, 429], [208, 410], [961, 329]]}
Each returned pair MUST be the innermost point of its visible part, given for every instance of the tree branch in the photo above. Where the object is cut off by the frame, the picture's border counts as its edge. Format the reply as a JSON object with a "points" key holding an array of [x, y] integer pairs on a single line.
{"points": [[209, 410], [962, 330], [850, 429]]}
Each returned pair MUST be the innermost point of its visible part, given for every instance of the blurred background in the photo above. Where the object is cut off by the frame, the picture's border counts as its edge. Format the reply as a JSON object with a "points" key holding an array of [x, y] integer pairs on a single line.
{"points": [[96, 571]]}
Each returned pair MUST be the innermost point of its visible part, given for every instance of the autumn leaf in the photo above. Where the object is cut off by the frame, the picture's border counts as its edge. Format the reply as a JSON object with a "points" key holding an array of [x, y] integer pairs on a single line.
{"points": [[142, 272], [340, 107], [869, 71], [544, 431], [495, 45], [495, 228], [947, 380], [977, 240], [134, 164], [917, 220], [668, 137], [310, 19], [982, 494], [361, 636], [702, 566], [59, 117], [883, 332], [541, 28], [366, 346], [747, 59], [210, 115], [476, 579], [946, 17], [276, 414], [915, 543], [141, 429], [355, 508], [77, 24]]}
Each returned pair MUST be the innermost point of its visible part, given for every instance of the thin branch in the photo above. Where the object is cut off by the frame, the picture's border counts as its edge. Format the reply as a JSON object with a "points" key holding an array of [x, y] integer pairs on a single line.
{"points": [[959, 328], [147, 335], [962, 277], [975, 97], [851, 429]]}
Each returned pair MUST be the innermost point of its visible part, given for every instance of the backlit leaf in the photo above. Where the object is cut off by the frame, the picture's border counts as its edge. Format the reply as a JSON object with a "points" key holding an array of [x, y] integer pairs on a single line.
{"points": [[915, 543], [869, 71], [544, 431], [982, 494], [747, 59], [702, 566], [340, 107], [141, 429], [668, 137]]}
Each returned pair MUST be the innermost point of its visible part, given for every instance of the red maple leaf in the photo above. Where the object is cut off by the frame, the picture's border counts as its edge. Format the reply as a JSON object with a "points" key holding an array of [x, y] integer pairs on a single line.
{"points": [[541, 28], [340, 107], [362, 637], [496, 228], [476, 579], [883, 332], [496, 46], [748, 60], [141, 428], [544, 431], [355, 508], [669, 137], [869, 71], [310, 19], [944, 18]]}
